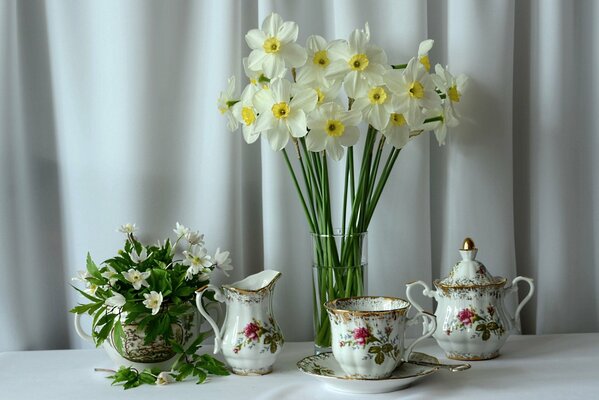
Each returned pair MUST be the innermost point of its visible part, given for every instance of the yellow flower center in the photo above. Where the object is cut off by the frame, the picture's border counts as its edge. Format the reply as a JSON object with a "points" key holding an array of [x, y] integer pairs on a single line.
{"points": [[377, 95], [359, 62], [424, 60], [320, 95], [253, 82], [272, 45], [397, 119], [334, 128], [280, 110], [453, 94], [417, 90], [248, 115], [321, 58]]}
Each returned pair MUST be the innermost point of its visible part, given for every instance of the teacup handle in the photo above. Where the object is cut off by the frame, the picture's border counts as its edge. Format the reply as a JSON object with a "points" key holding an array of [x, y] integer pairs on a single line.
{"points": [[218, 296], [79, 329], [429, 328]]}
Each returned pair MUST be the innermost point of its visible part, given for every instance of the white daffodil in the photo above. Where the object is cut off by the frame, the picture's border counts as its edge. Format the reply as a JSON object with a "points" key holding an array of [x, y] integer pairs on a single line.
{"points": [[110, 274], [127, 229], [226, 100], [313, 73], [194, 238], [281, 115], [245, 113], [256, 78], [363, 64], [117, 300], [414, 90], [439, 120], [137, 279], [198, 260], [452, 87], [376, 105], [273, 47], [397, 132], [180, 230], [223, 261], [153, 301], [164, 378], [140, 257], [423, 49], [332, 128]]}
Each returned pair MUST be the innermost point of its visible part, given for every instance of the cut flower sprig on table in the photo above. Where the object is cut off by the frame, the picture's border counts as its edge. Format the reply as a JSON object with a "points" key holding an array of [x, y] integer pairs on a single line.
{"points": [[293, 99], [151, 287]]}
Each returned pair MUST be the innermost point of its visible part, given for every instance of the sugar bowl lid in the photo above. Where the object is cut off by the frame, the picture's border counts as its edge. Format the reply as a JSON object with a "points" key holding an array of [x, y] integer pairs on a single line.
{"points": [[469, 271]]}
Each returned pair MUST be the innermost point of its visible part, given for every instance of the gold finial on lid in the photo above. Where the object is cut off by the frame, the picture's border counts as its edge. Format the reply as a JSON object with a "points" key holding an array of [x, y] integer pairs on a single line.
{"points": [[468, 244]]}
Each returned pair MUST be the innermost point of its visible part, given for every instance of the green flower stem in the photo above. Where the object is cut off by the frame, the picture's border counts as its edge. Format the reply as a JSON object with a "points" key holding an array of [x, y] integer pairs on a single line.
{"points": [[375, 168], [299, 190], [382, 181]]}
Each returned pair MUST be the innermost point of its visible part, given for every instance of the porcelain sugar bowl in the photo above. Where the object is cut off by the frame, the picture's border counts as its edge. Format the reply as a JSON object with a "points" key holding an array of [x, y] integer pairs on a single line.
{"points": [[472, 320]]}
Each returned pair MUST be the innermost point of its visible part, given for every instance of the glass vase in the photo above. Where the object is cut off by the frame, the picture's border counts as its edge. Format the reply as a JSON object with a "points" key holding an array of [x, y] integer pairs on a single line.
{"points": [[339, 266]]}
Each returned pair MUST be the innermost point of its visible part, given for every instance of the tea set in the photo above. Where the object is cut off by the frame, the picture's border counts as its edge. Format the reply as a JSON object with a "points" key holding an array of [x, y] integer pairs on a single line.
{"points": [[369, 352]]}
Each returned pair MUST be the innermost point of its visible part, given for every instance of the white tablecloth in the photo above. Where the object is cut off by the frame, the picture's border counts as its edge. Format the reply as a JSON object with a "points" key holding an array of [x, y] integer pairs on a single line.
{"points": [[530, 367]]}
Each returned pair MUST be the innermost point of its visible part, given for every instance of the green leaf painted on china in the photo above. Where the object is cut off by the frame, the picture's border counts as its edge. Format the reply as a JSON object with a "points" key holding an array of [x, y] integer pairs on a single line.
{"points": [[380, 358], [387, 348], [374, 349], [486, 335], [492, 326], [481, 327]]}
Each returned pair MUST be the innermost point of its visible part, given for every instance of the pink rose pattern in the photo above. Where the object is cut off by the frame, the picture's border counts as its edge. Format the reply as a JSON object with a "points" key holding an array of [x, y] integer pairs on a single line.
{"points": [[361, 335], [381, 345], [486, 325], [256, 333], [466, 316]]}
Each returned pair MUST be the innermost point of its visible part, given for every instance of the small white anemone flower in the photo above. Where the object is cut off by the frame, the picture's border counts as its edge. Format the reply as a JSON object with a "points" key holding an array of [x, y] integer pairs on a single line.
{"points": [[226, 100], [363, 63], [110, 274], [81, 276], [443, 118], [452, 87], [198, 260], [137, 279], [397, 132], [313, 73], [164, 378], [153, 301], [222, 260], [127, 229], [376, 105], [414, 90], [423, 49], [273, 47], [180, 230], [194, 238], [332, 128], [280, 114], [116, 300], [246, 114], [140, 257]]}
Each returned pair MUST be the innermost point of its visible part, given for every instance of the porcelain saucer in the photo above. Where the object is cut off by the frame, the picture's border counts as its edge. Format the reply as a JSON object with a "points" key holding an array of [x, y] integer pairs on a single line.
{"points": [[325, 368]]}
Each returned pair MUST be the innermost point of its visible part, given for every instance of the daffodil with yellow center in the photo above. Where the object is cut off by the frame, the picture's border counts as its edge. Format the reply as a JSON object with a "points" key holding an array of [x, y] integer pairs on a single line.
{"points": [[398, 119], [377, 95], [334, 127], [245, 113], [414, 90], [453, 94], [423, 50], [424, 60], [272, 45], [313, 73], [321, 58], [331, 129], [376, 106], [359, 62], [226, 101], [280, 110], [248, 115], [450, 85], [397, 133]]}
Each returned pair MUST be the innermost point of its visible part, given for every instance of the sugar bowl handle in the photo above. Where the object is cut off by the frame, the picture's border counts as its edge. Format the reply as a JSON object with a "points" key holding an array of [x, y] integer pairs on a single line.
{"points": [[427, 292], [514, 288]]}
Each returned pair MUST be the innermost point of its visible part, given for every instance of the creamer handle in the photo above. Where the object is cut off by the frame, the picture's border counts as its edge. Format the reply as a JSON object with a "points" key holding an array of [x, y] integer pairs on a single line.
{"points": [[427, 292], [82, 334], [429, 327], [514, 288], [218, 295]]}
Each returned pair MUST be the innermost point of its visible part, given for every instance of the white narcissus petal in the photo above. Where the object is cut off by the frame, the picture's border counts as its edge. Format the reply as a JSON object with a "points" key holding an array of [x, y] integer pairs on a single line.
{"points": [[265, 122], [277, 138], [250, 135], [413, 113], [336, 69], [255, 39], [357, 41], [281, 90], [263, 100], [232, 123], [379, 118], [352, 117], [441, 134], [288, 32], [293, 54], [393, 79], [376, 55], [360, 103], [256, 59], [316, 43], [273, 65], [350, 136], [425, 46], [316, 140], [271, 24], [351, 84], [334, 149], [297, 123], [304, 99], [339, 50]]}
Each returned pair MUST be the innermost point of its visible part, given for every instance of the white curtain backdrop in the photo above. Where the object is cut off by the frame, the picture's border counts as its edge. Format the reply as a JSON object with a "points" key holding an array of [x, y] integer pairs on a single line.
{"points": [[108, 115]]}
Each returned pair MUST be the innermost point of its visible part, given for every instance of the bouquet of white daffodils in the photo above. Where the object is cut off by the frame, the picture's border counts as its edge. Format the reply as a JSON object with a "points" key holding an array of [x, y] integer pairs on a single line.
{"points": [[294, 95]]}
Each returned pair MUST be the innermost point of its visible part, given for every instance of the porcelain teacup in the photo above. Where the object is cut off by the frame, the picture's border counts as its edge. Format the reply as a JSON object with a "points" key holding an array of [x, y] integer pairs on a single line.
{"points": [[368, 334]]}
